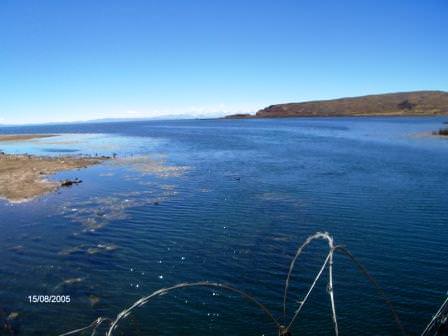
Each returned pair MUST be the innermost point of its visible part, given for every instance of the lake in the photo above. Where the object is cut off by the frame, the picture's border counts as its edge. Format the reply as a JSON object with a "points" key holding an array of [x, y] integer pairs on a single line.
{"points": [[230, 201]]}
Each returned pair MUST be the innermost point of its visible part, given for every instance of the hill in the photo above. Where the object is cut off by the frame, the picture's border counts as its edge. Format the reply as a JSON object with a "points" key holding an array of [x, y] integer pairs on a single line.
{"points": [[417, 103]]}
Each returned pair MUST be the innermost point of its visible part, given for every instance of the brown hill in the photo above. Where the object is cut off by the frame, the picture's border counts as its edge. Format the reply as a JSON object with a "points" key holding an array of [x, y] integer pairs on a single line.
{"points": [[418, 103]]}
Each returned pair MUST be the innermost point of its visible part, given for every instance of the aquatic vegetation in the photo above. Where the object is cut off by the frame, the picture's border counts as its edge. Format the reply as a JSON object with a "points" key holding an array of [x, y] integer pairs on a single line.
{"points": [[72, 250], [282, 238], [146, 164], [72, 281], [68, 282], [94, 300], [8, 322], [90, 250], [102, 248], [97, 212], [17, 249], [13, 315]]}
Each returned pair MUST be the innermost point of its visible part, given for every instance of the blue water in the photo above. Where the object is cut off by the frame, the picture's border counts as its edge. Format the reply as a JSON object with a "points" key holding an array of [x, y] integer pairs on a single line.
{"points": [[230, 201]]}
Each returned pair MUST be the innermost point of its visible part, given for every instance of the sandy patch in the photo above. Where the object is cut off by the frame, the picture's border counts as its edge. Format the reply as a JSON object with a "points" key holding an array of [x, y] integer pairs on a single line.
{"points": [[24, 137]]}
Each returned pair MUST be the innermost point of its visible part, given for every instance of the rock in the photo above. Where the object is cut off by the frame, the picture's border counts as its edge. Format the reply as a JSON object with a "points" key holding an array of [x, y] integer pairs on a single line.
{"points": [[69, 183]]}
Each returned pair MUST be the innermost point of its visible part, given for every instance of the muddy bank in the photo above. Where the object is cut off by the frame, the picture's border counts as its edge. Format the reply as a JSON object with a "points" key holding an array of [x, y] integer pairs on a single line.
{"points": [[24, 177]]}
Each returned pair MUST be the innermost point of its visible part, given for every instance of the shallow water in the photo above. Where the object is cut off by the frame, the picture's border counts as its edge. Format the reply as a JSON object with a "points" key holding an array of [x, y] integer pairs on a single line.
{"points": [[230, 201]]}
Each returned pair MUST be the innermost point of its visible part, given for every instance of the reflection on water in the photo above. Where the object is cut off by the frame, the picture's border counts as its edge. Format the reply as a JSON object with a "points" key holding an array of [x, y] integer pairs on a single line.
{"points": [[228, 201]]}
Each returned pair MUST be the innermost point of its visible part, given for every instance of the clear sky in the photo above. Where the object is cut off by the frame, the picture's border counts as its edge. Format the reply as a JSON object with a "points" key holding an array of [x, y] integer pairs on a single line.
{"points": [[66, 60]]}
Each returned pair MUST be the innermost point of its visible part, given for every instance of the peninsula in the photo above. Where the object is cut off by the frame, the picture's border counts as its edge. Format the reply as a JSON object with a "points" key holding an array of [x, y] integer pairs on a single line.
{"points": [[416, 103]]}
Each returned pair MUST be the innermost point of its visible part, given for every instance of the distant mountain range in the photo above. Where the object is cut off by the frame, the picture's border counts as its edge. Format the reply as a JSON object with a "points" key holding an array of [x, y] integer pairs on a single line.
{"points": [[417, 103], [112, 120]]}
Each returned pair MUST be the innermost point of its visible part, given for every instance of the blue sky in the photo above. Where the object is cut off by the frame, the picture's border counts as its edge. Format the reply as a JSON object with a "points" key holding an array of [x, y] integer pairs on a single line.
{"points": [[65, 60]]}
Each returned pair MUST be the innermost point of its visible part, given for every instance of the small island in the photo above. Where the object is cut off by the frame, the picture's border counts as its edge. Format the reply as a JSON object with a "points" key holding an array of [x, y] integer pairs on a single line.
{"points": [[24, 177]]}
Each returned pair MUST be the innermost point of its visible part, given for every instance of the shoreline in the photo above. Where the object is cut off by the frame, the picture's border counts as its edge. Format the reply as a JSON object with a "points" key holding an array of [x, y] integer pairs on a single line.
{"points": [[23, 177]]}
